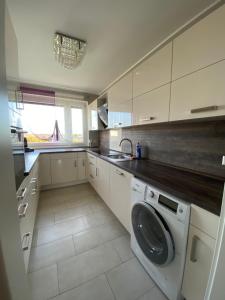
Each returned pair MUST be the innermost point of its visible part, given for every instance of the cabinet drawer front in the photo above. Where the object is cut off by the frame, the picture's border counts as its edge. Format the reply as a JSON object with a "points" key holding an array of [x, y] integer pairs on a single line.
{"points": [[201, 45], [198, 263], [91, 159], [204, 220], [153, 72], [152, 107], [70, 155], [199, 95]]}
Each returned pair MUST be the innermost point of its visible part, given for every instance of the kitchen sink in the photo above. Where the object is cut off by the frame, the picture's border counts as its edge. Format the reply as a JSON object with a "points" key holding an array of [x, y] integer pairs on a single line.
{"points": [[119, 157]]}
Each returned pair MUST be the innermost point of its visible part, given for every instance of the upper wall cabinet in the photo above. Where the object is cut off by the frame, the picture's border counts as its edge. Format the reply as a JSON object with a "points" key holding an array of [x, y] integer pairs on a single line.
{"points": [[120, 103], [153, 72], [201, 45], [152, 107], [121, 91], [93, 116], [200, 94]]}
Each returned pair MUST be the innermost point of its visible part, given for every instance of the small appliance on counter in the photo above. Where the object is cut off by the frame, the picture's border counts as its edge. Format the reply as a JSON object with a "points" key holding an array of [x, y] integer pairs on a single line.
{"points": [[26, 148]]}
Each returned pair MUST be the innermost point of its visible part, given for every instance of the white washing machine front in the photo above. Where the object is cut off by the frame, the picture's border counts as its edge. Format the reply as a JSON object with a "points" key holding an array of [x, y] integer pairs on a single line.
{"points": [[159, 236]]}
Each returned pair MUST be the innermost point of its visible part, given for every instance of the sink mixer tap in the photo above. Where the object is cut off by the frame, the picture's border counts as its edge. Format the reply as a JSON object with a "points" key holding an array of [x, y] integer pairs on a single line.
{"points": [[131, 145]]}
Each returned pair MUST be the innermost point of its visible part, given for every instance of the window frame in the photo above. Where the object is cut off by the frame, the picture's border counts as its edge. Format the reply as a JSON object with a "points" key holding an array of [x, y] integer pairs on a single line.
{"points": [[68, 104]]}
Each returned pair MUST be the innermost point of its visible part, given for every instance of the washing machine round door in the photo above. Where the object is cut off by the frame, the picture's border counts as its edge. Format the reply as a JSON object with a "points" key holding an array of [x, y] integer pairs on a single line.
{"points": [[152, 234]]}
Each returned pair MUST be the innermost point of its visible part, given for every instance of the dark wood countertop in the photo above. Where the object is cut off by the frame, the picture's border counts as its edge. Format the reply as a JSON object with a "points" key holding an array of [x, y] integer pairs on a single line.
{"points": [[200, 189]]}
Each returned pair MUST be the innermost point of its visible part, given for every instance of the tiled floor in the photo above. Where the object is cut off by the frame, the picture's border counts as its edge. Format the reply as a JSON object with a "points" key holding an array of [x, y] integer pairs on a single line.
{"points": [[80, 251]]}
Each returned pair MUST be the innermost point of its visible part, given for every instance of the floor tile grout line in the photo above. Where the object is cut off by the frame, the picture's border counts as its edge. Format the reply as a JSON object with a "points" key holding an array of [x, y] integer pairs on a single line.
{"points": [[107, 279], [77, 254]]}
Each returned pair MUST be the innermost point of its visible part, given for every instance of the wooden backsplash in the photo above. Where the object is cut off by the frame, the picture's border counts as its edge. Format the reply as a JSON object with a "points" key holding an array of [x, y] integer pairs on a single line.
{"points": [[196, 146]]}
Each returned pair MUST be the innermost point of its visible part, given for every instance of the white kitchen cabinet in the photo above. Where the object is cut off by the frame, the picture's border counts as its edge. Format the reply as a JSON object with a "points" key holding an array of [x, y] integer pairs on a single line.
{"points": [[82, 166], [27, 208], [64, 167], [102, 178], [201, 244], [45, 169], [119, 114], [201, 45], [153, 72], [120, 103], [121, 91], [120, 193], [199, 95], [152, 107], [93, 116]]}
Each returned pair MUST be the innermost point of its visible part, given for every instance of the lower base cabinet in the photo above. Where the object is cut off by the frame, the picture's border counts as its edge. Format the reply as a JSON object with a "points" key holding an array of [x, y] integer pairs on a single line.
{"points": [[113, 185], [201, 244], [120, 194], [28, 196]]}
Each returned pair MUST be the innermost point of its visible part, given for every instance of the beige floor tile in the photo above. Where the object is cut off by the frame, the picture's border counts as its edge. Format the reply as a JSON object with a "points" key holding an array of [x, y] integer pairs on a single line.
{"points": [[60, 230], [87, 240], [122, 246], [51, 253], [99, 218], [44, 219], [96, 289], [44, 283], [86, 266], [129, 280], [154, 294], [73, 212]]}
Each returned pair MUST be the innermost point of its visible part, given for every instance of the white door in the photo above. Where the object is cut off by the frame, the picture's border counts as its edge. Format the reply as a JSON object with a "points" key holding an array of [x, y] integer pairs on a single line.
{"points": [[64, 168], [152, 107], [120, 195], [198, 263], [82, 162]]}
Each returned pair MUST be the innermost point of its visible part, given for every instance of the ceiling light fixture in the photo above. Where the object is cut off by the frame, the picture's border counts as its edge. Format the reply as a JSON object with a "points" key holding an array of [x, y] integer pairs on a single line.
{"points": [[68, 50]]}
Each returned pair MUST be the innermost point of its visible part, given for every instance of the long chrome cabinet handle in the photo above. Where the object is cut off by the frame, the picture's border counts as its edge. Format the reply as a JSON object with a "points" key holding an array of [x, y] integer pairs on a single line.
{"points": [[22, 209], [195, 240], [75, 163], [22, 195], [119, 173], [26, 241], [147, 119], [204, 109]]}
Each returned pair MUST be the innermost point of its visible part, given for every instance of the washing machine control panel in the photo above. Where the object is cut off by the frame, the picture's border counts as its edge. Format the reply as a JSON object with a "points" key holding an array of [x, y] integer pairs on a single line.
{"points": [[166, 202]]}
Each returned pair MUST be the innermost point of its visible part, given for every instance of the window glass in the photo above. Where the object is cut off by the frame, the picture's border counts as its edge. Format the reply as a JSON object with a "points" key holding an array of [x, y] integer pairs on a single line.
{"points": [[43, 123], [77, 125]]}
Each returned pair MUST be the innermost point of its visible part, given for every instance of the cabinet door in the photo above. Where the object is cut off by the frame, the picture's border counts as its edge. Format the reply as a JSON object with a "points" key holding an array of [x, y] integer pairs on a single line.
{"points": [[93, 116], [45, 169], [199, 95], [198, 263], [102, 176], [120, 114], [120, 195], [153, 72], [64, 168], [121, 91], [152, 107], [82, 162], [201, 45]]}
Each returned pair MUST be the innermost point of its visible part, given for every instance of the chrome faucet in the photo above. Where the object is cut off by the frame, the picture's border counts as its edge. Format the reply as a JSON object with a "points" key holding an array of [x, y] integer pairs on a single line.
{"points": [[131, 145]]}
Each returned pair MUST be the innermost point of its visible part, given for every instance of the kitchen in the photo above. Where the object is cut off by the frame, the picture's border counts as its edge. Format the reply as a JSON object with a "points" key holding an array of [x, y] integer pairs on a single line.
{"points": [[112, 182]]}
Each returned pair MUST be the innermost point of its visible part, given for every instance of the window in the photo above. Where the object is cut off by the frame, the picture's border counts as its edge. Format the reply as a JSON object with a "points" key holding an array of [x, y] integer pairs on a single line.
{"points": [[77, 125], [50, 124]]}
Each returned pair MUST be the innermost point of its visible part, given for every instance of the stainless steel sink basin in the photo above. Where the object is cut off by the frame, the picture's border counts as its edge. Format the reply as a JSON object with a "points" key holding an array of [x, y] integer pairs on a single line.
{"points": [[119, 157]]}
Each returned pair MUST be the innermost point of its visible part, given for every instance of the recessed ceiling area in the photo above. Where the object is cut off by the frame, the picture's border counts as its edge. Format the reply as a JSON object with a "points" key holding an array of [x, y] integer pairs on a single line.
{"points": [[118, 33]]}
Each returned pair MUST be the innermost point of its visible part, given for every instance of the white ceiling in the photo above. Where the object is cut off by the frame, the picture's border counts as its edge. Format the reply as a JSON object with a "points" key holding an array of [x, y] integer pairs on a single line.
{"points": [[118, 32]]}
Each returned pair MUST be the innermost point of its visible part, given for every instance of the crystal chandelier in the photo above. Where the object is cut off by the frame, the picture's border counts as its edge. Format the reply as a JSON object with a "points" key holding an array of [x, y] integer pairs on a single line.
{"points": [[68, 50]]}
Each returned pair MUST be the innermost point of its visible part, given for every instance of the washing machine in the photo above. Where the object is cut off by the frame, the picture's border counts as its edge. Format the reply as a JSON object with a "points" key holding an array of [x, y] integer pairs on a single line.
{"points": [[159, 235]]}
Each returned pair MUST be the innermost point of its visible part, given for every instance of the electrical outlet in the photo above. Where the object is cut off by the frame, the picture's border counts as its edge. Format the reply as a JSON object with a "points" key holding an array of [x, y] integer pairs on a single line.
{"points": [[223, 161]]}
